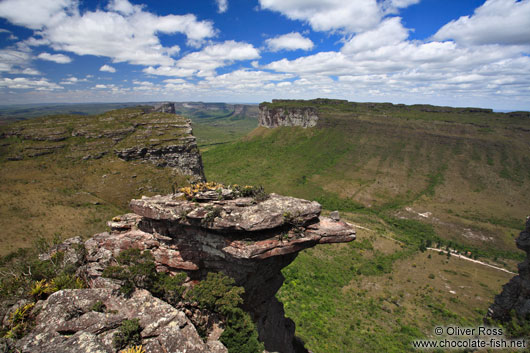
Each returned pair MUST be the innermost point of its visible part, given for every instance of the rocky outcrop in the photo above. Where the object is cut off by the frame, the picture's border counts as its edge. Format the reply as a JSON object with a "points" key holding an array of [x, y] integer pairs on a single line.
{"points": [[164, 108], [86, 320], [249, 240], [515, 295], [270, 116], [181, 154], [156, 135], [165, 140]]}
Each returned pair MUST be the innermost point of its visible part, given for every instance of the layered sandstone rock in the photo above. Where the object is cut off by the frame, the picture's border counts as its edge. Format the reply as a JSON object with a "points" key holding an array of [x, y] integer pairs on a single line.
{"points": [[86, 320], [271, 117], [248, 240], [154, 135]]}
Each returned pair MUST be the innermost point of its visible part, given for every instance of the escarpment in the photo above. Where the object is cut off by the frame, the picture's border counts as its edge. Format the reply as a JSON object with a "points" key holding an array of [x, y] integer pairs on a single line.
{"points": [[154, 135], [271, 116], [513, 303], [249, 236]]}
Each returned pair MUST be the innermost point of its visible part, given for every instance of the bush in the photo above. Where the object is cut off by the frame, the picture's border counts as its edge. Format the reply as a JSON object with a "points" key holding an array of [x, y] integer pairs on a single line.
{"points": [[20, 321], [128, 334], [217, 293], [240, 335], [137, 269]]}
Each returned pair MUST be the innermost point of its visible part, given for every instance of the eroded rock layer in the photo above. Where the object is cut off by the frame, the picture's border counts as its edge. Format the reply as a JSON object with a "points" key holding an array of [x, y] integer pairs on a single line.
{"points": [[154, 135], [270, 116], [248, 240]]}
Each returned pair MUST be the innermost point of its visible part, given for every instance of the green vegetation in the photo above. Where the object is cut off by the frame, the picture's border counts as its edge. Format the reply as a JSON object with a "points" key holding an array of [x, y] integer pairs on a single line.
{"points": [[217, 293], [60, 175], [24, 275], [382, 159], [137, 269], [128, 334], [382, 166], [20, 321], [219, 123]]}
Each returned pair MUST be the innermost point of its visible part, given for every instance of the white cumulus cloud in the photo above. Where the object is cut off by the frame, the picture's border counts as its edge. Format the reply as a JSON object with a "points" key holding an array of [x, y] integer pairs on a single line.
{"points": [[495, 22], [390, 31], [122, 31], [107, 68], [222, 5], [58, 58], [206, 61], [34, 14], [328, 15], [26, 83], [290, 41]]}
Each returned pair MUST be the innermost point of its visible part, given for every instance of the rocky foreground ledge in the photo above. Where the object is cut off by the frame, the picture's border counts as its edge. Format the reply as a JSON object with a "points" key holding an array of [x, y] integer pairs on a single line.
{"points": [[247, 236]]}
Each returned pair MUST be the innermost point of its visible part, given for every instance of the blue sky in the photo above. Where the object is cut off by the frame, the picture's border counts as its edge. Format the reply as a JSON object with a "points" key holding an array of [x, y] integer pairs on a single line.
{"points": [[443, 52]]}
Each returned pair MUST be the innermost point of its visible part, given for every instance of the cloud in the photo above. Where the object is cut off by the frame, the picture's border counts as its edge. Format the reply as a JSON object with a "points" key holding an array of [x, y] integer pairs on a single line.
{"points": [[393, 6], [124, 32], [206, 61], [389, 32], [72, 80], [244, 79], [504, 22], [222, 5], [11, 59], [382, 62], [58, 58], [107, 68], [329, 15], [289, 41], [25, 83], [34, 14], [30, 71]]}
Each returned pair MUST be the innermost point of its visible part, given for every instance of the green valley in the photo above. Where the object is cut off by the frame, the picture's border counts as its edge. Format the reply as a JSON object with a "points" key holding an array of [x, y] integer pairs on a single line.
{"points": [[410, 177]]}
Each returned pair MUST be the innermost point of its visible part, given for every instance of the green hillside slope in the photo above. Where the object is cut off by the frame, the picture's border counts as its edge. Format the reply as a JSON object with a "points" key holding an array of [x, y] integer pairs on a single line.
{"points": [[465, 173], [411, 177], [60, 177]]}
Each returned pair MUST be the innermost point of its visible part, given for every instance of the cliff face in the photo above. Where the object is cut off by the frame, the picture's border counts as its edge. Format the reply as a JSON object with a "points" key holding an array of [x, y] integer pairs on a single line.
{"points": [[249, 241], [219, 231], [166, 140], [516, 293], [271, 117], [155, 135]]}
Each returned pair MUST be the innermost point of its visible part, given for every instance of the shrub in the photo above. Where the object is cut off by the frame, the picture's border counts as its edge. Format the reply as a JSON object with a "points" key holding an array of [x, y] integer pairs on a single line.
{"points": [[128, 334], [217, 293], [240, 335], [137, 269], [20, 321]]}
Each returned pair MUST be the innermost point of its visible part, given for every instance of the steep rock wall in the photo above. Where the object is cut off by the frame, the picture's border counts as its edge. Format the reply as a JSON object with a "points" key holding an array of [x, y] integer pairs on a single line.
{"points": [[166, 140], [271, 117]]}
